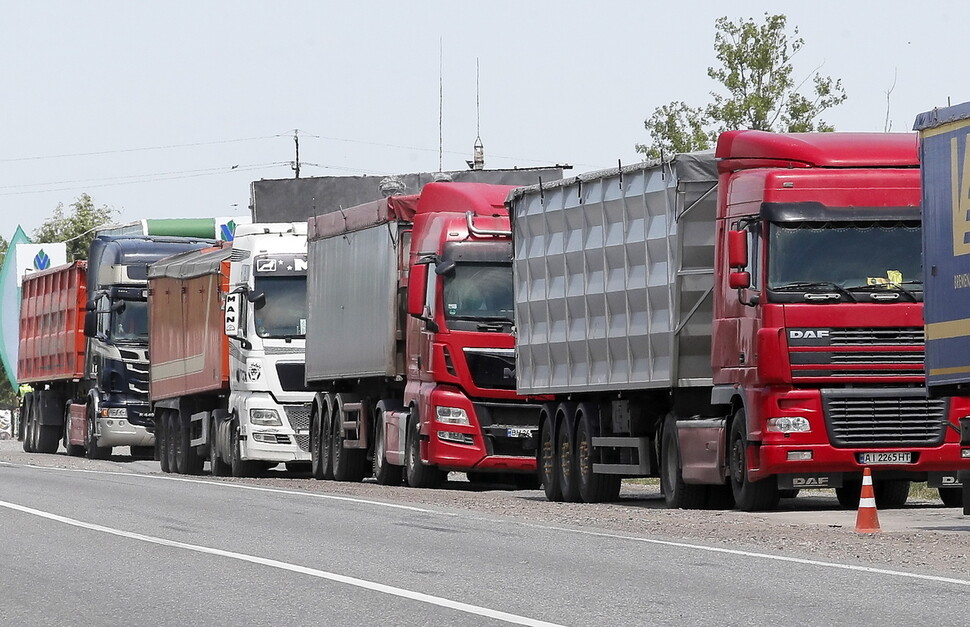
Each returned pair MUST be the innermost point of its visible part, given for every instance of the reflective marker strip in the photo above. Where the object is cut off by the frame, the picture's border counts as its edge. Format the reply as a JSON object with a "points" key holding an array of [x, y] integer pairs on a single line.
{"points": [[867, 502]]}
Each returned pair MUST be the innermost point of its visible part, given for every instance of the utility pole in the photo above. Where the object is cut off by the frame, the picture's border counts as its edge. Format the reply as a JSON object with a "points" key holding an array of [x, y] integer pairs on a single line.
{"points": [[296, 140]]}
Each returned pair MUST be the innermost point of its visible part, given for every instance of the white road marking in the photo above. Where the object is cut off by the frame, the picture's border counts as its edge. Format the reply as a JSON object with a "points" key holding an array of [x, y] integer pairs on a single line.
{"points": [[303, 570], [767, 556], [683, 545]]}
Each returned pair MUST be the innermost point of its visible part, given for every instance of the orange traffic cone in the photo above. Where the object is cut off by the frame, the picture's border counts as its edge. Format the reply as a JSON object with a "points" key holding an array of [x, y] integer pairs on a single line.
{"points": [[867, 520]]}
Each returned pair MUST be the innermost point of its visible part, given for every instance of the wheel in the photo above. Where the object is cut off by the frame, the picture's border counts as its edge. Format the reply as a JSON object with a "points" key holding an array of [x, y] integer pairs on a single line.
{"points": [[217, 467], [748, 495], [74, 450], [161, 438], [385, 472], [239, 467], [418, 474], [91, 448], [891, 493], [677, 494], [593, 488], [317, 469], [172, 441], [348, 464], [951, 497], [28, 421], [849, 494], [548, 459], [567, 468], [189, 461]]}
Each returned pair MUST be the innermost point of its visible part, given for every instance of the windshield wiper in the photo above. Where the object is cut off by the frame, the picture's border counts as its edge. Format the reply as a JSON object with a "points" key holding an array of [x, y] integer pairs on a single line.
{"points": [[803, 285]]}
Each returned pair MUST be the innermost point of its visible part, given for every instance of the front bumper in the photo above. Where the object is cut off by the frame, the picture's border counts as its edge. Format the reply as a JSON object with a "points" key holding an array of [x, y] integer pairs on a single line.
{"points": [[121, 432]]}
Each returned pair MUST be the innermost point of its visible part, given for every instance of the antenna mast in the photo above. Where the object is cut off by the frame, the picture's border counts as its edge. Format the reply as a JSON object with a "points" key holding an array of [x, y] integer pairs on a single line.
{"points": [[478, 160], [440, 104]]}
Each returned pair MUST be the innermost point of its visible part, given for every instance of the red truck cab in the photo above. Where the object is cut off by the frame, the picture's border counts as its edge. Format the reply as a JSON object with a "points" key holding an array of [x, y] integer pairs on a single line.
{"points": [[818, 329]]}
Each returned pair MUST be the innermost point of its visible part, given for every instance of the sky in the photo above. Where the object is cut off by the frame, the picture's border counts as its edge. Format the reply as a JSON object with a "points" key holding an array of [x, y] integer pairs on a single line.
{"points": [[170, 109]]}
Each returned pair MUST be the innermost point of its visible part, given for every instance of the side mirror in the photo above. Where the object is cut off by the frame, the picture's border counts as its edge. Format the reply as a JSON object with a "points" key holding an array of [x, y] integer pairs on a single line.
{"points": [[258, 300], [118, 306], [90, 306], [739, 280], [90, 323], [737, 249]]}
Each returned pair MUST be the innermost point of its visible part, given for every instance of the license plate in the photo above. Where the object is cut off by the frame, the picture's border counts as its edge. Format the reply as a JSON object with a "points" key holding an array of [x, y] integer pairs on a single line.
{"points": [[886, 458], [520, 433]]}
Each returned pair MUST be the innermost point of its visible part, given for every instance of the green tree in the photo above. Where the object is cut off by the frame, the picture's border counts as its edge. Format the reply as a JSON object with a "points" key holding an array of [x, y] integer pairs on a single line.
{"points": [[760, 92], [76, 228]]}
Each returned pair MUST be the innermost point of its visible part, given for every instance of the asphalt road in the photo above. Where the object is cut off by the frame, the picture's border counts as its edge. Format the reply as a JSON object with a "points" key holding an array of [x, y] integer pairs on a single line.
{"points": [[116, 548]]}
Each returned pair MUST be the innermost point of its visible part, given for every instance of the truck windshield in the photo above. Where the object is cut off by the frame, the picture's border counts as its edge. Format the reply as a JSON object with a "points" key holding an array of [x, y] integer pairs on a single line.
{"points": [[845, 256], [475, 291], [130, 322], [283, 311]]}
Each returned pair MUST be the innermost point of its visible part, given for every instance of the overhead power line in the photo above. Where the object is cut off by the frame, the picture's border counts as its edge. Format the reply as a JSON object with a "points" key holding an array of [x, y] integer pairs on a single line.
{"points": [[140, 149]]}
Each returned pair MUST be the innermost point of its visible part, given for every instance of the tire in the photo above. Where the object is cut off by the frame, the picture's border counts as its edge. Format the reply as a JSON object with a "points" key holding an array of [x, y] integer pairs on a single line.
{"points": [[951, 497], [91, 448], [749, 496], [48, 436], [593, 488], [29, 435], [891, 493], [317, 469], [73, 450], [190, 463], [348, 464], [677, 494], [418, 474], [849, 494], [238, 466], [161, 438], [567, 470], [385, 472], [217, 467], [548, 460], [326, 441], [171, 441], [27, 431]]}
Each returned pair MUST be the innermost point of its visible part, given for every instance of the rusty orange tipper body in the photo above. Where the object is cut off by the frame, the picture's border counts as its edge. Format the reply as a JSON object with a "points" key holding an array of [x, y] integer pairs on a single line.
{"points": [[52, 324], [187, 343]]}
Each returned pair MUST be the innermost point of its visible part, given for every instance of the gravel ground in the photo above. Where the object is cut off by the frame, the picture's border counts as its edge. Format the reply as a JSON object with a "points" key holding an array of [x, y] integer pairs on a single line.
{"points": [[923, 537]]}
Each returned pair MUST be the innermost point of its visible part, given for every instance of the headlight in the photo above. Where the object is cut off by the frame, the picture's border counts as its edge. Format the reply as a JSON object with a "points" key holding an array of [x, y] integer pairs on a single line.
{"points": [[452, 415], [114, 412], [265, 417], [793, 424]]}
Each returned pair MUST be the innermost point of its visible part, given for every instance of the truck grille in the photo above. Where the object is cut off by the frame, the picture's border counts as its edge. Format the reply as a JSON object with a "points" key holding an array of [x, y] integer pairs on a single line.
{"points": [[869, 418], [298, 416], [491, 368], [854, 353], [292, 376], [876, 336]]}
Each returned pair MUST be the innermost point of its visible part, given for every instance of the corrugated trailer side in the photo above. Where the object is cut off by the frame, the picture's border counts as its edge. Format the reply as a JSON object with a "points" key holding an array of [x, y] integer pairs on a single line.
{"points": [[945, 182], [613, 278], [52, 309], [188, 348], [355, 324]]}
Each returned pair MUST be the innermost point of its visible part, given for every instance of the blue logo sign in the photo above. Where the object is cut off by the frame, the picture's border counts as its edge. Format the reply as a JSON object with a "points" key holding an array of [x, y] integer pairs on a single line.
{"points": [[41, 260], [228, 230]]}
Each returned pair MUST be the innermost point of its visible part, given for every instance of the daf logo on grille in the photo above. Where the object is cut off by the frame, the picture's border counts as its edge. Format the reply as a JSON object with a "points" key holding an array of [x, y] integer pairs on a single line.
{"points": [[800, 334]]}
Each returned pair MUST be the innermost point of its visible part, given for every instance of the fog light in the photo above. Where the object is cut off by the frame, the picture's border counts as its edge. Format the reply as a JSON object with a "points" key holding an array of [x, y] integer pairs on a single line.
{"points": [[266, 438], [799, 456], [789, 424], [965, 453], [109, 422], [452, 436]]}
